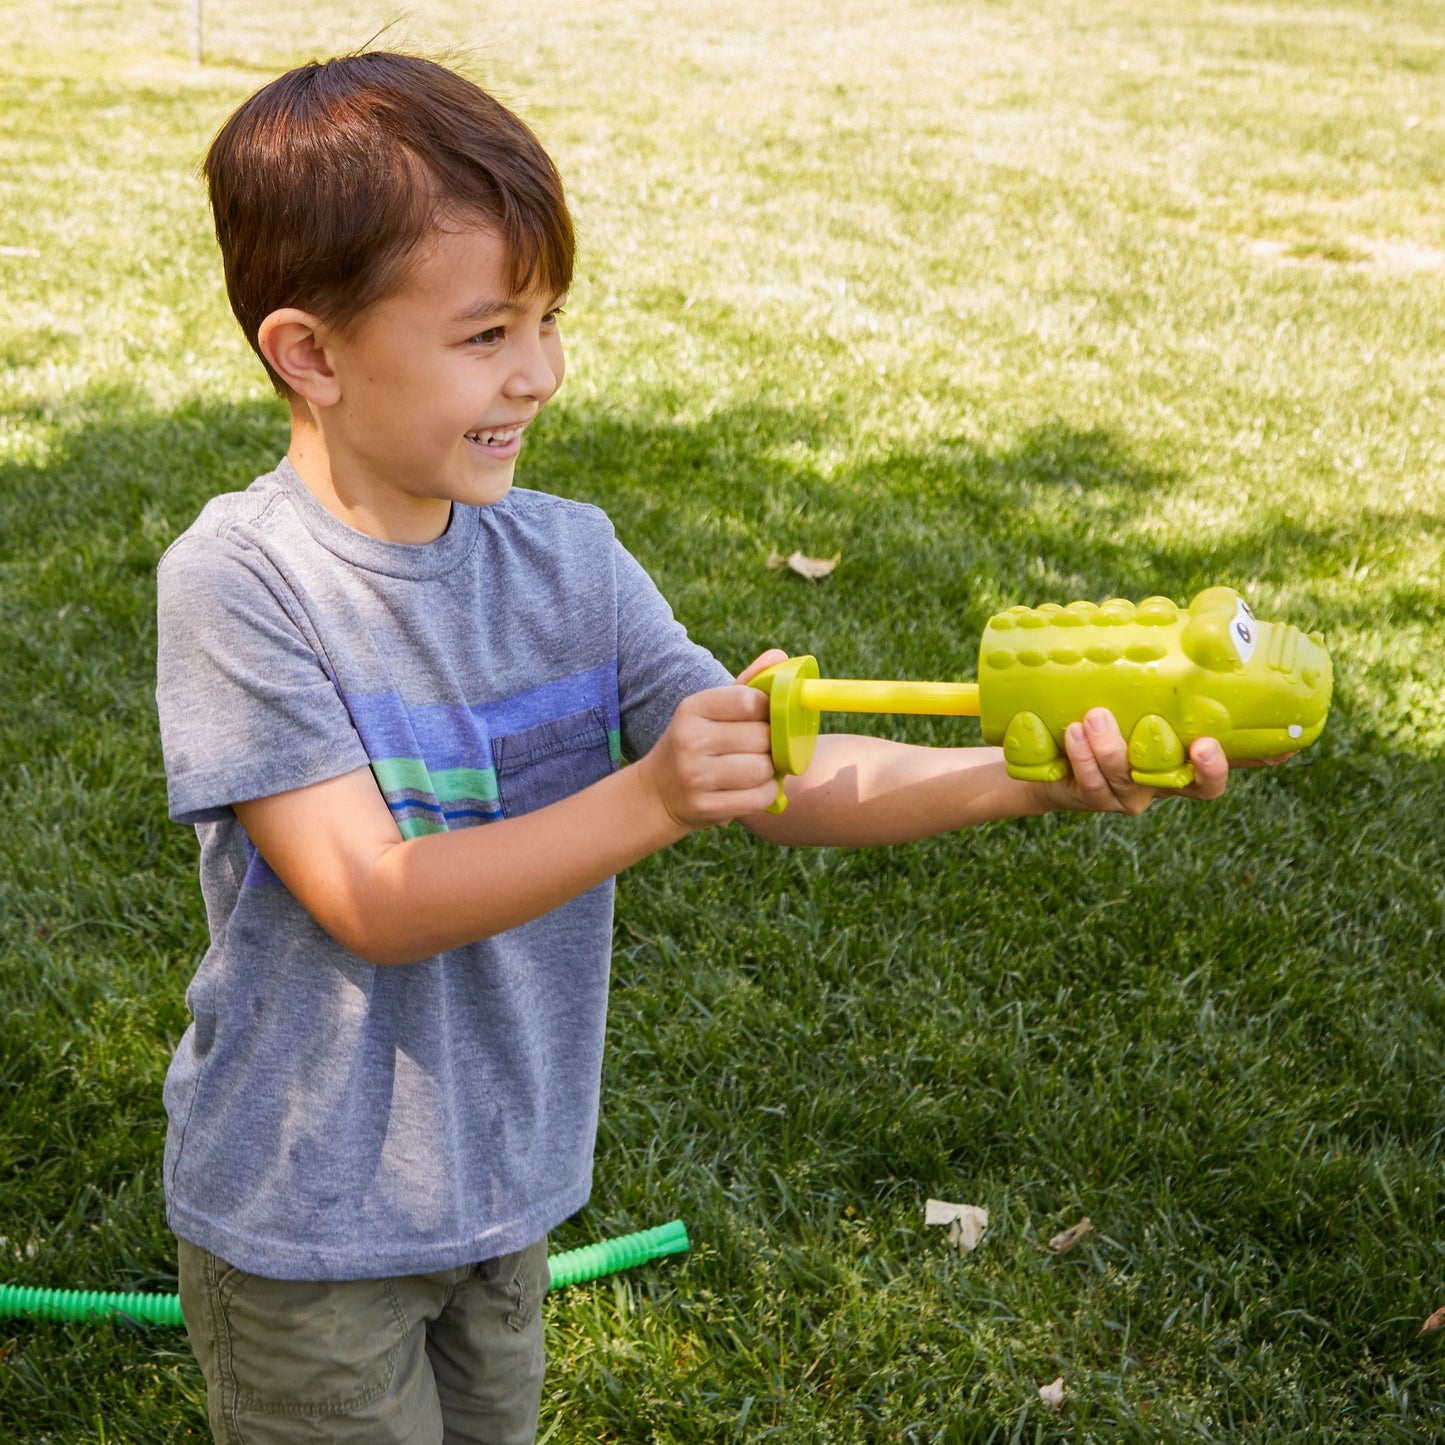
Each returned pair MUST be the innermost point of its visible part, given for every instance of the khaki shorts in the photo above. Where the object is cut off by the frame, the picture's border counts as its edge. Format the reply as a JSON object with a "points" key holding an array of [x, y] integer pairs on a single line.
{"points": [[432, 1359]]}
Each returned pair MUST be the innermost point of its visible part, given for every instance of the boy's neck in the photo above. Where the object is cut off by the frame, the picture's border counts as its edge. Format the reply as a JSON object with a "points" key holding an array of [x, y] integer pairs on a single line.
{"points": [[414, 521]]}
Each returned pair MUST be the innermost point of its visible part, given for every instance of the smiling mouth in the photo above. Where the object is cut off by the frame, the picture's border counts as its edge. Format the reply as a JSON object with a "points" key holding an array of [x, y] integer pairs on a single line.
{"points": [[496, 436]]}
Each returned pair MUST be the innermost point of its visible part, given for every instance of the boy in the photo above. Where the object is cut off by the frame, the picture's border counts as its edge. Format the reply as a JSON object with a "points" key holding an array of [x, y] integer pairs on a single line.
{"points": [[388, 1094]]}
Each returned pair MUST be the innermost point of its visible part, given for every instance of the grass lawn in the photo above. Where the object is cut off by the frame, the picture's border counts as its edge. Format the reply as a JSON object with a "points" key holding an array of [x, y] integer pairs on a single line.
{"points": [[1004, 302]]}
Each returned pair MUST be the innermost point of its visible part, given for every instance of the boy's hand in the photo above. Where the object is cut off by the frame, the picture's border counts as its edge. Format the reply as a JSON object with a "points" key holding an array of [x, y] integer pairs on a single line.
{"points": [[714, 763], [1101, 783]]}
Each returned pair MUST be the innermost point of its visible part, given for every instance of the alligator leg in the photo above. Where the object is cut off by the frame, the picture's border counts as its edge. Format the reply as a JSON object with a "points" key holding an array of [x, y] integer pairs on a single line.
{"points": [[1157, 757], [1030, 752]]}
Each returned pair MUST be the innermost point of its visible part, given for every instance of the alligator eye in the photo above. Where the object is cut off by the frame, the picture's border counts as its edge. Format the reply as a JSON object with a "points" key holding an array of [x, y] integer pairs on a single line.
{"points": [[1241, 631]]}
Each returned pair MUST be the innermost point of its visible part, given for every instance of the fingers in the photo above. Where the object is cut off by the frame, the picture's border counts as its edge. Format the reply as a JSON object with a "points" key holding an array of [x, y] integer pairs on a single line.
{"points": [[1211, 770], [732, 704], [770, 658], [724, 722], [1099, 758], [714, 763], [1103, 783]]}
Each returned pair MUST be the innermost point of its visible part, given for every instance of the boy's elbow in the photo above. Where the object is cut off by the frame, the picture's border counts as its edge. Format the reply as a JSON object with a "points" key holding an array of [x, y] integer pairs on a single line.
{"points": [[382, 951], [382, 937], [366, 922], [389, 907], [381, 946]]}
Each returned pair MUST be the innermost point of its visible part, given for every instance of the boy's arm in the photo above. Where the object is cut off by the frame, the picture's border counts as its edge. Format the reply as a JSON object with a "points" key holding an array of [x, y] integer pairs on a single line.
{"points": [[859, 791], [336, 847], [866, 790]]}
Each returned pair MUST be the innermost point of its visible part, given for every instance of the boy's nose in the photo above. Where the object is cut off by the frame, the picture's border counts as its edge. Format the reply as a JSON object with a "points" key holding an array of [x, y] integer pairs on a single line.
{"points": [[535, 373]]}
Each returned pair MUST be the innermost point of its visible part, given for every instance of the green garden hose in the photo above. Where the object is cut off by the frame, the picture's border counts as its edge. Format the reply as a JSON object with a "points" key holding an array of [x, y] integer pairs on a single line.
{"points": [[612, 1255], [21, 1302], [571, 1267]]}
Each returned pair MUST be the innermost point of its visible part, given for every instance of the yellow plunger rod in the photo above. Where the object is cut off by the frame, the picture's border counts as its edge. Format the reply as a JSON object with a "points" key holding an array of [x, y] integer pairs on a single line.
{"points": [[797, 695], [846, 694]]}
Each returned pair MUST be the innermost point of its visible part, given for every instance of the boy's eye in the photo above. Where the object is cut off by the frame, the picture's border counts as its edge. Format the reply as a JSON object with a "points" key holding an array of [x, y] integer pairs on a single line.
{"points": [[495, 335]]}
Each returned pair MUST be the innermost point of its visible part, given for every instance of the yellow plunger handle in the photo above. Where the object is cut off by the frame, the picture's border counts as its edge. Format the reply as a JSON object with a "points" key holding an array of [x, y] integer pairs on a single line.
{"points": [[846, 694], [798, 695]]}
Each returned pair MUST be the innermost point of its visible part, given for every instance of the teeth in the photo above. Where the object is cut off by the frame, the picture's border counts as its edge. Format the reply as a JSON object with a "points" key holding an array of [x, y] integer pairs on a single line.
{"points": [[495, 438]]}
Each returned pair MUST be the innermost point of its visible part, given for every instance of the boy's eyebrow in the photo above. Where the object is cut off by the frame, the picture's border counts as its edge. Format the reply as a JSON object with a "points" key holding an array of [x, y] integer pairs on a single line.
{"points": [[484, 309]]}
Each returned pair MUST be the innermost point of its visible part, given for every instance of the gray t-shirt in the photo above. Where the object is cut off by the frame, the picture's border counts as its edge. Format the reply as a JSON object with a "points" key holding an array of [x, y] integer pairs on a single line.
{"points": [[331, 1119]]}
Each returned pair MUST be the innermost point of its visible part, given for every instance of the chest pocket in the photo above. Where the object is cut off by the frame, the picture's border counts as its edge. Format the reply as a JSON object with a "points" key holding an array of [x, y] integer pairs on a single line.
{"points": [[543, 764]]}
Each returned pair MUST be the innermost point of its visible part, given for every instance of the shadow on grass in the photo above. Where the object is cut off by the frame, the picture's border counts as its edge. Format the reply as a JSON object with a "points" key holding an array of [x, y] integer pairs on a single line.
{"points": [[932, 541]]}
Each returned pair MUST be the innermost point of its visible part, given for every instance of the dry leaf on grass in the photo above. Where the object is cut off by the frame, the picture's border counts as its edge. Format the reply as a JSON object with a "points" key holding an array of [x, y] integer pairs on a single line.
{"points": [[1433, 1323], [1053, 1395], [966, 1222], [1070, 1237], [810, 567]]}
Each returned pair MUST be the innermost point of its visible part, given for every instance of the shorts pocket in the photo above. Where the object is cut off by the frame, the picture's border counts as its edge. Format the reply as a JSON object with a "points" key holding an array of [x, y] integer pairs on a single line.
{"points": [[551, 761], [523, 1279], [309, 1349]]}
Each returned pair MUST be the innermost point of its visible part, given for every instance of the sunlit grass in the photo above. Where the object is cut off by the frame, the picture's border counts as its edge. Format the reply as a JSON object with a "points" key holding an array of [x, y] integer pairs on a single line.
{"points": [[1003, 302]]}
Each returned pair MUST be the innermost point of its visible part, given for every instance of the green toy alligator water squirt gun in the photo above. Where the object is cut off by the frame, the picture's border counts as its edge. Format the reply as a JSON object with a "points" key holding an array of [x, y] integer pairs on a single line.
{"points": [[1169, 675]]}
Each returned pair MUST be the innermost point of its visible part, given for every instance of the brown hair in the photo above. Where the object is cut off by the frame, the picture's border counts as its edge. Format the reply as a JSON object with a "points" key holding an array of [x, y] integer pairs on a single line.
{"points": [[325, 180]]}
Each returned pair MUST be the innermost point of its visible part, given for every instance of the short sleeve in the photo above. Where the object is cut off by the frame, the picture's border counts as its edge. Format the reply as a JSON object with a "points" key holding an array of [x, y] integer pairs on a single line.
{"points": [[247, 705], [658, 664]]}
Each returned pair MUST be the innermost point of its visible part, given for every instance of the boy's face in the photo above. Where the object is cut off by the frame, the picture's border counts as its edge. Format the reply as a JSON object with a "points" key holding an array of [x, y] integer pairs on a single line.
{"points": [[437, 384]]}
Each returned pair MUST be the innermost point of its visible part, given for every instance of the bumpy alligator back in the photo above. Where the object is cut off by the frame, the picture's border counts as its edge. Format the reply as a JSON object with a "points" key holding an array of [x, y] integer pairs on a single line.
{"points": [[1168, 674]]}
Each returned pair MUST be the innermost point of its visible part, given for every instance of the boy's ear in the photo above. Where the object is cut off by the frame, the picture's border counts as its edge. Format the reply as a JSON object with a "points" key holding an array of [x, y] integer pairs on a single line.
{"points": [[294, 343]]}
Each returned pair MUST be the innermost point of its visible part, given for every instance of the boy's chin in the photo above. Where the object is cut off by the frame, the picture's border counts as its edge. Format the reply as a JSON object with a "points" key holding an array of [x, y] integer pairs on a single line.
{"points": [[494, 491], [481, 490]]}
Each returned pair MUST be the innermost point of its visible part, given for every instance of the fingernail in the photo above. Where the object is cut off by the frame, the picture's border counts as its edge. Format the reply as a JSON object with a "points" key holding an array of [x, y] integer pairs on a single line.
{"points": [[1096, 721], [1209, 752]]}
